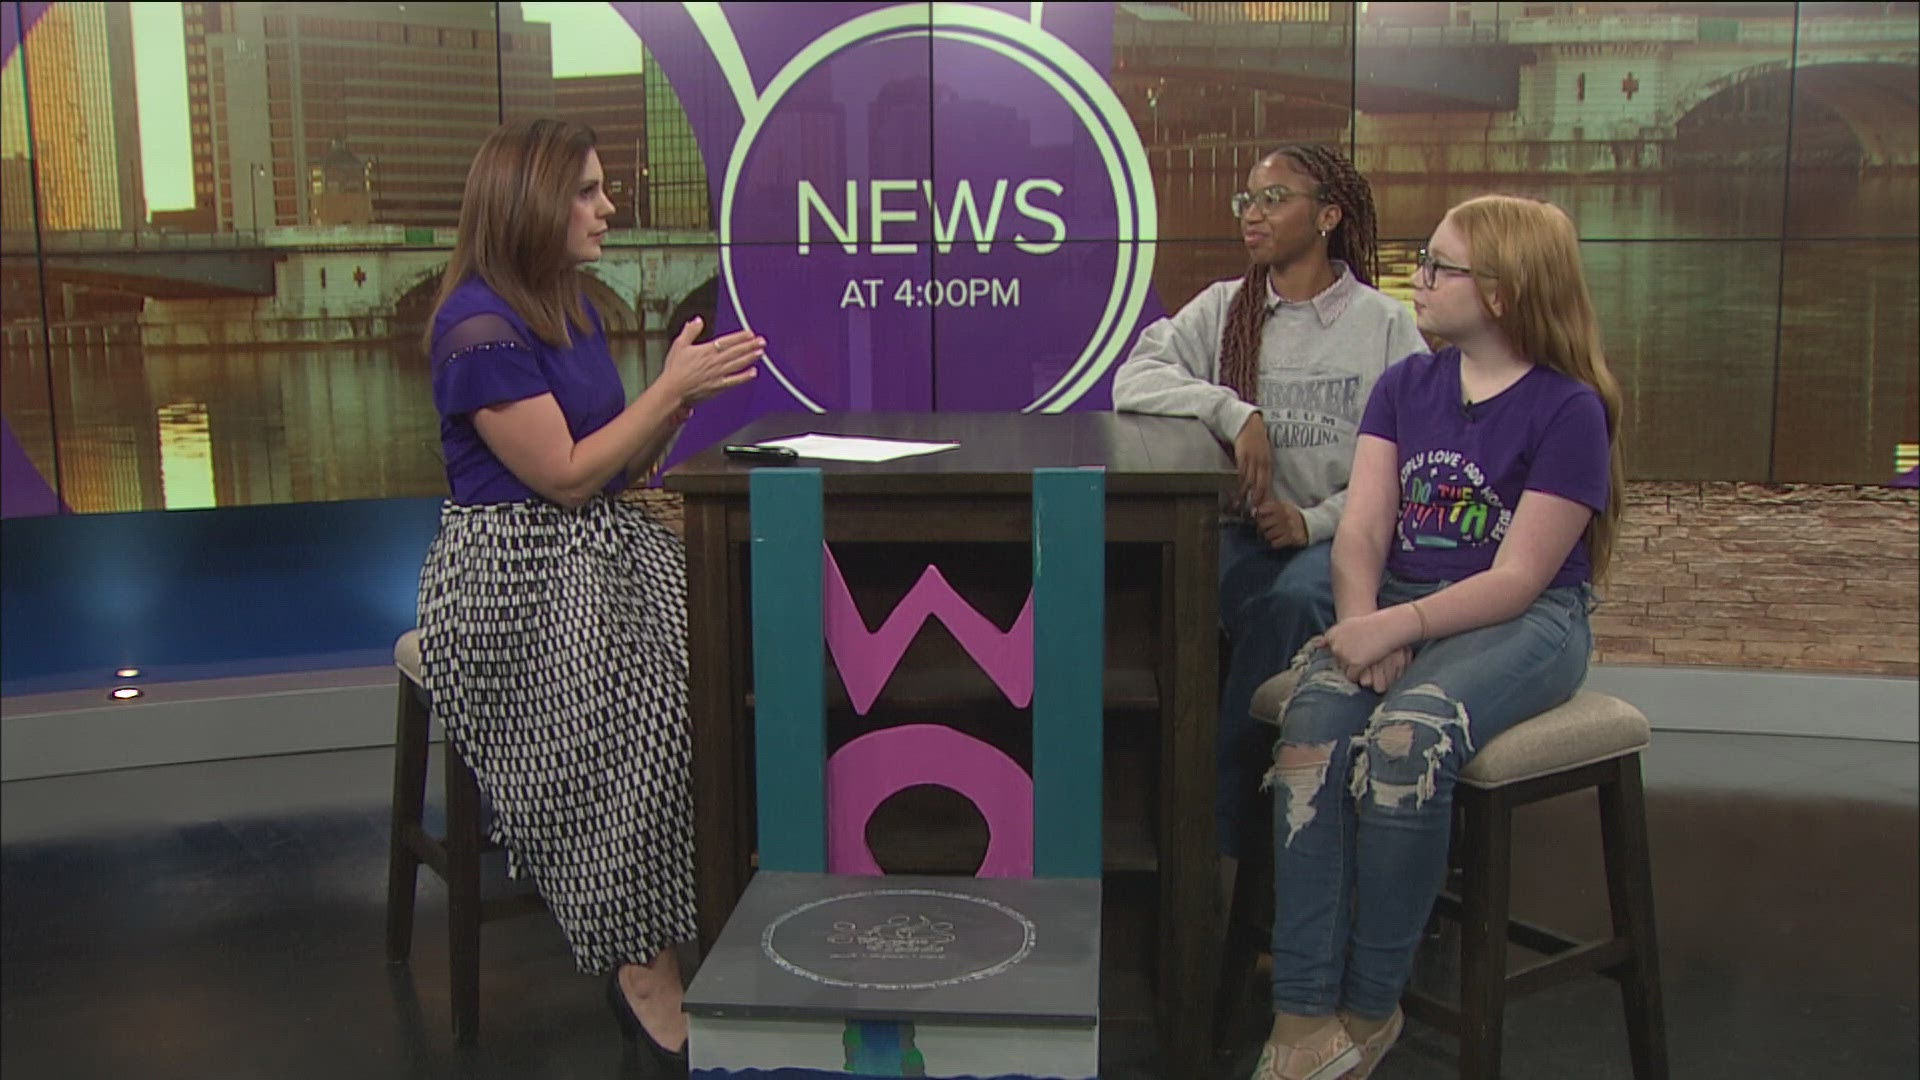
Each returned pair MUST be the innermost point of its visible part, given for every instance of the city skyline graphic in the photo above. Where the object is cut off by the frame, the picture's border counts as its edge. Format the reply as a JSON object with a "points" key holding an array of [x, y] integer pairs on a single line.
{"points": [[222, 223], [586, 41]]}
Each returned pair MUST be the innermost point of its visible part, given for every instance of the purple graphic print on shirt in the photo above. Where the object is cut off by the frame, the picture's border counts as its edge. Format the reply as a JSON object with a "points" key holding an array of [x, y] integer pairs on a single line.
{"points": [[1463, 468], [1445, 503]]}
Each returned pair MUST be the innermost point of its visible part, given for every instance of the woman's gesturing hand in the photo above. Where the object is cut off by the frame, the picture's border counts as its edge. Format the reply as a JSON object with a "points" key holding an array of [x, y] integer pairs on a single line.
{"points": [[699, 371]]}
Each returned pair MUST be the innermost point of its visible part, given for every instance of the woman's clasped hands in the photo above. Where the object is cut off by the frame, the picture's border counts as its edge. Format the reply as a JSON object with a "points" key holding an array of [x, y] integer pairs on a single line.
{"points": [[1366, 649]]}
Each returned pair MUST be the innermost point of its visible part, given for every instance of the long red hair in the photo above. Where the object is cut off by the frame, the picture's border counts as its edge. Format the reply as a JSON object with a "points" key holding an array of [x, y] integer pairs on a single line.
{"points": [[1526, 253]]}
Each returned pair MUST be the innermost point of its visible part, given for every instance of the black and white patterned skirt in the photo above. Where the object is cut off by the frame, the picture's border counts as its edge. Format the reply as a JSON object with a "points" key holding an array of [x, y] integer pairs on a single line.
{"points": [[554, 648]]}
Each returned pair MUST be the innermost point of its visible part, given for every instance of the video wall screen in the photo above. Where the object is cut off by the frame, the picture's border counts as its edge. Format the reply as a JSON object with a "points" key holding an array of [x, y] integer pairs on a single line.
{"points": [[222, 224]]}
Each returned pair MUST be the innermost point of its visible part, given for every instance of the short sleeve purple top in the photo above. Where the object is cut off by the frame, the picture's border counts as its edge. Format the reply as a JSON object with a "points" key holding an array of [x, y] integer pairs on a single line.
{"points": [[484, 354], [1462, 470]]}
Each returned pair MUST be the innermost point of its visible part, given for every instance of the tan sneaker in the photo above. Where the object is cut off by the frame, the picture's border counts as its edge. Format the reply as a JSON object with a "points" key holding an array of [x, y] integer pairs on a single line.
{"points": [[1324, 1055], [1376, 1046]]}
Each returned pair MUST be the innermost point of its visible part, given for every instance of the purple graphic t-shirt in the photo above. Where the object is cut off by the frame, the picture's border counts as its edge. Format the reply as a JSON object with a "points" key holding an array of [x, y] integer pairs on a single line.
{"points": [[1463, 469]]}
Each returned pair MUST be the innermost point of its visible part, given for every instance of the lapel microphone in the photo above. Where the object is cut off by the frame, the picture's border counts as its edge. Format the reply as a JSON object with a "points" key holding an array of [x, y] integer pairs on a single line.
{"points": [[1466, 411]]}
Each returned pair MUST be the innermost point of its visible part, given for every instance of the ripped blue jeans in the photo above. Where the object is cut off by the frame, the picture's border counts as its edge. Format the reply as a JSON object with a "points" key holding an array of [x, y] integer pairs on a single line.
{"points": [[1271, 603], [1363, 793]]}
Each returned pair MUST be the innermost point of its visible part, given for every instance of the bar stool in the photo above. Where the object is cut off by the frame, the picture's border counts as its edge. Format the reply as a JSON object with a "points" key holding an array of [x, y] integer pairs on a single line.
{"points": [[1591, 741], [455, 856]]}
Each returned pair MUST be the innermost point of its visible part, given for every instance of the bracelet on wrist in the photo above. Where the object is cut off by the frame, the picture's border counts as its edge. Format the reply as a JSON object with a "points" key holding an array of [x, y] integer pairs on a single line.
{"points": [[1422, 616]]}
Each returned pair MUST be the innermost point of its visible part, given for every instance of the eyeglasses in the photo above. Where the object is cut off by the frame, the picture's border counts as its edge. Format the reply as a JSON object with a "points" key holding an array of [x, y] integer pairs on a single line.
{"points": [[1268, 199], [1430, 267]]}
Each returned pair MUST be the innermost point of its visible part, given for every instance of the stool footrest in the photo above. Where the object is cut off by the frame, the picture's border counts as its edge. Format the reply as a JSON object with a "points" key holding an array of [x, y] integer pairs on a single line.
{"points": [[1603, 957], [425, 846], [1522, 933], [431, 850]]}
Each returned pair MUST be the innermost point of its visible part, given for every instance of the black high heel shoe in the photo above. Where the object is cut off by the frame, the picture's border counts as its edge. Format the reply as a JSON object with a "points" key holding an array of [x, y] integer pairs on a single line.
{"points": [[667, 1063]]}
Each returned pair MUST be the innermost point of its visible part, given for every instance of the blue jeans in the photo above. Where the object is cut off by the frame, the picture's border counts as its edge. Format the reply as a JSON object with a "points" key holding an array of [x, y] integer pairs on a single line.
{"points": [[1361, 833], [1271, 604]]}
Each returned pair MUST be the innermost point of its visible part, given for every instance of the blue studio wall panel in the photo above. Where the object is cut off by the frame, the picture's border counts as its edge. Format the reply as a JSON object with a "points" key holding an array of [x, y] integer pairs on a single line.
{"points": [[207, 593]]}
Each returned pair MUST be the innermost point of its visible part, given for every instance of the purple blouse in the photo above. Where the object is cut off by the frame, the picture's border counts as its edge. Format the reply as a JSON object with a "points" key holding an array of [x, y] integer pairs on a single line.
{"points": [[1463, 469], [485, 354]]}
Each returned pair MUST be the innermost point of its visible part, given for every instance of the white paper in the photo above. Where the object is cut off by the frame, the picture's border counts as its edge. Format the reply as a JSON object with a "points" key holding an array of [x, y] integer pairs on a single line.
{"points": [[855, 448]]}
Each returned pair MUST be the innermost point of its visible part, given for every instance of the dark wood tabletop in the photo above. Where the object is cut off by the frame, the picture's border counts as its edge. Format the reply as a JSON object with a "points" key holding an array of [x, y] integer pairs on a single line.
{"points": [[1159, 454]]}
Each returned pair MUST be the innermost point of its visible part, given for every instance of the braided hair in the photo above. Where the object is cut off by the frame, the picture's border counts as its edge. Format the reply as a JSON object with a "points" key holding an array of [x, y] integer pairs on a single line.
{"points": [[1353, 241]]}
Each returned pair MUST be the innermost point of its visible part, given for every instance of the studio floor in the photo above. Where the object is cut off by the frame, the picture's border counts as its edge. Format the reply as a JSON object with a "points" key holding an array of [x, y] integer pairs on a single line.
{"points": [[224, 920]]}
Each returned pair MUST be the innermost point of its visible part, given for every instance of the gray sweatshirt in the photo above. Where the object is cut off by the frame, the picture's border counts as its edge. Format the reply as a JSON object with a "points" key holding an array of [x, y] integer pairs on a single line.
{"points": [[1319, 359]]}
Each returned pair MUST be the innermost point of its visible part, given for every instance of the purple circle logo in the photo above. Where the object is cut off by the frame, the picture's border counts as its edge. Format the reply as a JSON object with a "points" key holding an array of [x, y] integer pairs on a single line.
{"points": [[949, 180]]}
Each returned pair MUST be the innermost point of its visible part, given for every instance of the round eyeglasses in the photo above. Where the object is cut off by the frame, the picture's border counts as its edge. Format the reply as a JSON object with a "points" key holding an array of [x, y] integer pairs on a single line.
{"points": [[1268, 199], [1428, 268]]}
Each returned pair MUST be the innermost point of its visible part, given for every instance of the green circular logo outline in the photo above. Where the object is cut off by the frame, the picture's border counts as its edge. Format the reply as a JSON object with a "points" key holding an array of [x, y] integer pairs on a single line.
{"points": [[1028, 44]]}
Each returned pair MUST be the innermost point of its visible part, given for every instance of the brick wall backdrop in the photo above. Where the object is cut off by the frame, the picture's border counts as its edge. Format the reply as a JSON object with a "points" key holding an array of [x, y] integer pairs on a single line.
{"points": [[1792, 576], [1802, 576]]}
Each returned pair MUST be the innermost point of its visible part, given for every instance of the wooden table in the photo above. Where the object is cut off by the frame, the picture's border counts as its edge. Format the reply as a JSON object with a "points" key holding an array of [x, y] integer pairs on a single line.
{"points": [[1164, 479]]}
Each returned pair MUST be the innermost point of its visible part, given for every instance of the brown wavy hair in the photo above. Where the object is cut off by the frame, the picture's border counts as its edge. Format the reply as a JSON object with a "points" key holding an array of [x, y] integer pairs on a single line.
{"points": [[514, 215], [1354, 241], [1526, 254]]}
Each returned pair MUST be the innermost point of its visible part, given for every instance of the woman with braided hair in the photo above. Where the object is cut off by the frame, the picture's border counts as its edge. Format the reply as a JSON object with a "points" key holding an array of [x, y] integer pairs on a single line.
{"points": [[1278, 364]]}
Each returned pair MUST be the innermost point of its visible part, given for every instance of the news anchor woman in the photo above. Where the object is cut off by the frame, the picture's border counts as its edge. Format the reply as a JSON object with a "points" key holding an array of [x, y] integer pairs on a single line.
{"points": [[553, 616]]}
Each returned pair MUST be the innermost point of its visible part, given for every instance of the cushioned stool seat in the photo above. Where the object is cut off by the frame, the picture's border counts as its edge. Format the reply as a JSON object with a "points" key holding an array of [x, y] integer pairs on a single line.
{"points": [[455, 856], [406, 656], [1589, 728], [1591, 741]]}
